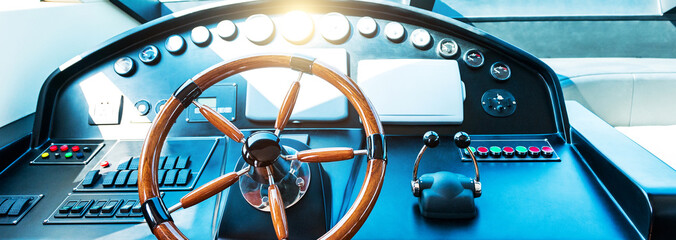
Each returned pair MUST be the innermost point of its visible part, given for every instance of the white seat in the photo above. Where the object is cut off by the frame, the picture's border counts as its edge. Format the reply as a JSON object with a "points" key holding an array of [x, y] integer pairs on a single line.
{"points": [[634, 95], [658, 140]]}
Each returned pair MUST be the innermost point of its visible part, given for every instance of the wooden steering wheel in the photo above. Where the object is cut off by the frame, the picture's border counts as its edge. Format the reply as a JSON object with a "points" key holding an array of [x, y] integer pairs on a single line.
{"points": [[154, 210]]}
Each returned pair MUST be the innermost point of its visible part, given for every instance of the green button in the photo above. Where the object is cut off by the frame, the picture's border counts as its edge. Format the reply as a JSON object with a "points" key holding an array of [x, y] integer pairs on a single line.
{"points": [[496, 149], [521, 149], [69, 155], [467, 153]]}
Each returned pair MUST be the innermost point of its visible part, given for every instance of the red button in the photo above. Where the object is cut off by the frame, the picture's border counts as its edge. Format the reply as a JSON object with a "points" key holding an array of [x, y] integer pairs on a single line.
{"points": [[63, 148], [105, 164], [508, 149], [482, 149], [75, 148], [547, 151], [533, 151], [53, 148]]}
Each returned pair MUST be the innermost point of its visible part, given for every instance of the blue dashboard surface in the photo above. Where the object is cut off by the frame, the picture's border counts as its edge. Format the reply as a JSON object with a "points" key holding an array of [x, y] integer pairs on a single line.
{"points": [[525, 200]]}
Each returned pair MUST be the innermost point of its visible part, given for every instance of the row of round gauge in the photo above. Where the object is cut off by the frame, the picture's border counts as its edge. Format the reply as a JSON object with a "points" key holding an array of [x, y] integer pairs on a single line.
{"points": [[297, 27]]}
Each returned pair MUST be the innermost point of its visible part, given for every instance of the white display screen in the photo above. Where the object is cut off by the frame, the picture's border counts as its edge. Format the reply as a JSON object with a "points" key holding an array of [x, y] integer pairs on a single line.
{"points": [[209, 101], [413, 91]]}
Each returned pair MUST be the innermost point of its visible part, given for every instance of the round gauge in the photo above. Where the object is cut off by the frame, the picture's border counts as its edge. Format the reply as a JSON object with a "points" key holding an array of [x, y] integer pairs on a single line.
{"points": [[200, 35], [334, 27], [421, 38], [367, 26], [149, 55], [395, 32], [226, 29], [447, 48], [175, 44], [474, 58], [142, 107], [500, 71], [297, 27], [124, 66], [259, 28]]}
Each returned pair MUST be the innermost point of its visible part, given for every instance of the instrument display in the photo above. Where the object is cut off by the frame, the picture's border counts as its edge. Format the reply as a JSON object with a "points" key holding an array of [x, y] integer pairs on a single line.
{"points": [[433, 89]]}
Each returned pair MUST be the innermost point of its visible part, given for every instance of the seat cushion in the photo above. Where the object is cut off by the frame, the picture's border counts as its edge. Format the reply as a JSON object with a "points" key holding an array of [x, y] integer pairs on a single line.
{"points": [[658, 140], [621, 91]]}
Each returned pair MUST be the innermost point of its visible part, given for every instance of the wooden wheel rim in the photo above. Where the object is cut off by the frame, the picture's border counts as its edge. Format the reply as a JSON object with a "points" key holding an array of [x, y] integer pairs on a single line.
{"points": [[152, 146]]}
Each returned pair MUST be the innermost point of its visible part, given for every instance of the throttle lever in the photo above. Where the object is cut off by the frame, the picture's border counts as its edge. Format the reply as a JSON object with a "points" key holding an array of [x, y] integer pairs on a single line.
{"points": [[431, 140], [445, 194], [462, 141]]}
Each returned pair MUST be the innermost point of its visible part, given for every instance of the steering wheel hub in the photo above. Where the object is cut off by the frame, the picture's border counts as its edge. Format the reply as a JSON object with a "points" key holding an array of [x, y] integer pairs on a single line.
{"points": [[261, 149]]}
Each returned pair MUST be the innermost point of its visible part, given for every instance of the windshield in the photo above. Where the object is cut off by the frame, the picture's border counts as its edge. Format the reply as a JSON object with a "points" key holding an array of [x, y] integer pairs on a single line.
{"points": [[571, 28], [537, 8]]}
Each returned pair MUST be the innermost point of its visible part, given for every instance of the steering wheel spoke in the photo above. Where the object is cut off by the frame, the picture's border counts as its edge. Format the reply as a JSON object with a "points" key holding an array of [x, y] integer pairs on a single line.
{"points": [[220, 122], [289, 103], [277, 212], [332, 154], [208, 190]]}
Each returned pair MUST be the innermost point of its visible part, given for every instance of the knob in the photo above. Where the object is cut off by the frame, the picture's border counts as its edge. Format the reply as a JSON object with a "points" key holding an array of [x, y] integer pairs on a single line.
{"points": [[461, 139], [261, 149], [431, 139]]}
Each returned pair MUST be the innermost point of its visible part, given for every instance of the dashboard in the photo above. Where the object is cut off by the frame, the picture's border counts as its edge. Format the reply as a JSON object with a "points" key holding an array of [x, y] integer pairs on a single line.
{"points": [[139, 84], [420, 70]]}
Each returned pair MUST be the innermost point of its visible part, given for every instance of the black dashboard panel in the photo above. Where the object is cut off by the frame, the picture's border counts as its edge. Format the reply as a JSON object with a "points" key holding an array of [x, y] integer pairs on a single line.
{"points": [[525, 195], [532, 84]]}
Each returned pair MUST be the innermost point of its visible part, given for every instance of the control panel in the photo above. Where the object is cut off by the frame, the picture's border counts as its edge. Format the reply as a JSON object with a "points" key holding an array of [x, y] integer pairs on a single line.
{"points": [[98, 208], [68, 153], [511, 151], [14, 207], [420, 71], [180, 165], [443, 76]]}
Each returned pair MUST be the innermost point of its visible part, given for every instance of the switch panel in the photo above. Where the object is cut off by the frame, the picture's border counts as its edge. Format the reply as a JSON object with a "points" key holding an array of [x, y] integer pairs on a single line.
{"points": [[14, 207], [537, 150], [98, 208], [68, 153], [180, 164]]}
